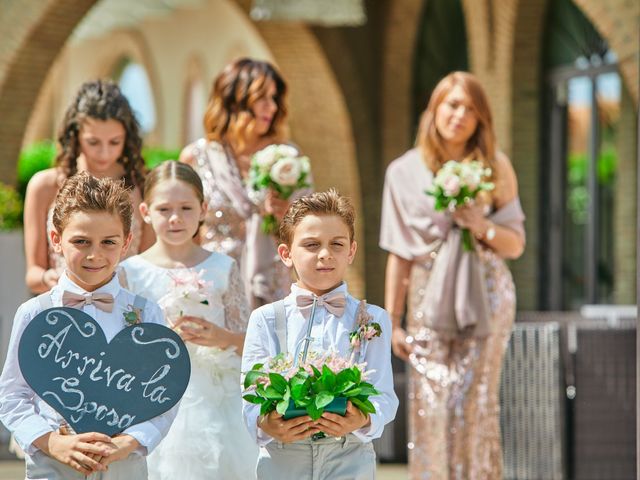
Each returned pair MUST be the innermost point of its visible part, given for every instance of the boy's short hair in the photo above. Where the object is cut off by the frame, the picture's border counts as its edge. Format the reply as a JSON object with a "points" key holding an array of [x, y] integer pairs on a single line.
{"points": [[318, 203], [85, 193]]}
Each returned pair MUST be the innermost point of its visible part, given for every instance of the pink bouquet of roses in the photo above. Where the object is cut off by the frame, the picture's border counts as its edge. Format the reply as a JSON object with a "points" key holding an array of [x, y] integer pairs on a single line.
{"points": [[458, 183]]}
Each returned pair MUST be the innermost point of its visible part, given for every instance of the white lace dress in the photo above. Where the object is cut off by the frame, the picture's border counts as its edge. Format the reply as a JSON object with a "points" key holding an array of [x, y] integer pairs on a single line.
{"points": [[207, 439]]}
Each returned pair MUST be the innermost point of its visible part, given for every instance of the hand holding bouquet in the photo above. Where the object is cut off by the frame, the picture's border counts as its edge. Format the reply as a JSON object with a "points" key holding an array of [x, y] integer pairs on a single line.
{"points": [[281, 169], [323, 383], [189, 296], [458, 183]]}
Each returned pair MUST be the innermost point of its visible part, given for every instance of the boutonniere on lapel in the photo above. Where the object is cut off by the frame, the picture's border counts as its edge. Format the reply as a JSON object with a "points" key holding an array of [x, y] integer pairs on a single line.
{"points": [[132, 316], [366, 328]]}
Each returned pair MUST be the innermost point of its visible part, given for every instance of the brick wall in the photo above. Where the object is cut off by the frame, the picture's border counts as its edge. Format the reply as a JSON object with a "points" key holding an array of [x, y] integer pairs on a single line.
{"points": [[33, 33], [625, 214], [319, 119], [618, 21]]}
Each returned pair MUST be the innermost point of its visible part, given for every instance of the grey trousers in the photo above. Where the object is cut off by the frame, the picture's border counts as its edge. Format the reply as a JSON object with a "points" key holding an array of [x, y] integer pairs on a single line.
{"points": [[329, 458], [42, 467]]}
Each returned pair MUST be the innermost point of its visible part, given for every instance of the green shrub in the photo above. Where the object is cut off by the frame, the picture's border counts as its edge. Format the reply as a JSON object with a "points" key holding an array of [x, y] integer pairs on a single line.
{"points": [[10, 208], [37, 156], [154, 156], [41, 155]]}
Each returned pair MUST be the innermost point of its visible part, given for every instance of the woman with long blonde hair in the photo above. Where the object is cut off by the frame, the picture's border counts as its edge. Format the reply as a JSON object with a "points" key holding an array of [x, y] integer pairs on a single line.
{"points": [[246, 112], [460, 306]]}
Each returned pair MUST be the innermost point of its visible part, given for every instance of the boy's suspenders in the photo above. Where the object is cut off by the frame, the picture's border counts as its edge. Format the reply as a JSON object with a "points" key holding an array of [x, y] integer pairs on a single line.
{"points": [[44, 300], [281, 326], [139, 303]]}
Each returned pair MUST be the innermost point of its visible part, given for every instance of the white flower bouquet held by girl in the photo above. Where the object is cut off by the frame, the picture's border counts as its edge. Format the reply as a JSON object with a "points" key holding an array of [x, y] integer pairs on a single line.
{"points": [[458, 183], [279, 168], [190, 296]]}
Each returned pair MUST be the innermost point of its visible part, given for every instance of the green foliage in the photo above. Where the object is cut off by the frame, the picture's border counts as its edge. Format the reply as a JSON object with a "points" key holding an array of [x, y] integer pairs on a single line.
{"points": [[35, 157], [154, 156], [577, 174], [311, 393], [10, 208], [42, 155]]}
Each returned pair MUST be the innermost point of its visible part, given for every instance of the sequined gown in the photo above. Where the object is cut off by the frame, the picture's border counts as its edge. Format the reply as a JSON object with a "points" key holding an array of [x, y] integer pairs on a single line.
{"points": [[454, 430], [207, 439], [232, 225]]}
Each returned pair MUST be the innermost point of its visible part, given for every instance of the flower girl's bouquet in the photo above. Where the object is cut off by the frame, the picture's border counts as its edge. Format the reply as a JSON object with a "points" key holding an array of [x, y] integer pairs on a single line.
{"points": [[190, 295], [458, 183], [280, 168], [321, 383]]}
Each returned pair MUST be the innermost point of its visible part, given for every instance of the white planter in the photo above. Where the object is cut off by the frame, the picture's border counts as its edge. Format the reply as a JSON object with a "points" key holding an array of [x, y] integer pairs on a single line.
{"points": [[13, 291]]}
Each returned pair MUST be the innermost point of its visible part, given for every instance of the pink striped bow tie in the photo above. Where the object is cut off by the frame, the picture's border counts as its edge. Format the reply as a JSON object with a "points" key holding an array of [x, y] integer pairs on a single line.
{"points": [[333, 302], [103, 301]]}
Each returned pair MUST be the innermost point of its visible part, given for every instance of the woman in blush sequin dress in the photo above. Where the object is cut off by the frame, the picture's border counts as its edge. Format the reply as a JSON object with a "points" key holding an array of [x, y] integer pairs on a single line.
{"points": [[454, 430], [100, 135], [246, 113]]}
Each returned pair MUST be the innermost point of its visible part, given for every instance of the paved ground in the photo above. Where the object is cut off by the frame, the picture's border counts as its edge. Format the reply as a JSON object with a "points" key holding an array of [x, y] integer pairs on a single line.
{"points": [[14, 470]]}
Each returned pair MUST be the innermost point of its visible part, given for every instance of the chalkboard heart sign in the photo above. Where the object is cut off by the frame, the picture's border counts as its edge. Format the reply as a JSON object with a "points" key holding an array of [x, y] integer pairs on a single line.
{"points": [[98, 386]]}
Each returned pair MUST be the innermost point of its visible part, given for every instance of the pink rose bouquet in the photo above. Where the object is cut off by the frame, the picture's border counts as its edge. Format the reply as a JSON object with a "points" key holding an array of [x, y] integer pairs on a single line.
{"points": [[458, 183]]}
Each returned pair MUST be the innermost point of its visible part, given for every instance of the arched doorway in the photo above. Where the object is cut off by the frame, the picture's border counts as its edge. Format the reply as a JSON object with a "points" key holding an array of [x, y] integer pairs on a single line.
{"points": [[441, 48], [580, 165], [587, 183]]}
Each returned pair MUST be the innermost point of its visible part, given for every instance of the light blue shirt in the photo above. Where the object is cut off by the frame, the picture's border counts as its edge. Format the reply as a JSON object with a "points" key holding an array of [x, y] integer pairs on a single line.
{"points": [[25, 414], [329, 333]]}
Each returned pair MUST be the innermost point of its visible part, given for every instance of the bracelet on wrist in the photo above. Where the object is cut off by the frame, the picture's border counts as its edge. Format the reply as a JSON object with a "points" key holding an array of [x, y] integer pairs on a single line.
{"points": [[489, 233], [42, 280]]}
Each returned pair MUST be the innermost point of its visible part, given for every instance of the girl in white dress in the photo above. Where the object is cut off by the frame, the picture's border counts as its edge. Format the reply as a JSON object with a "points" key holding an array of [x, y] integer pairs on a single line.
{"points": [[210, 311]]}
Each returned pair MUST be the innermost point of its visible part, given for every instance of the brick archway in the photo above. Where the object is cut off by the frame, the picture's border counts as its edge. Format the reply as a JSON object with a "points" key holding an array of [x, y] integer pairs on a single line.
{"points": [[612, 20], [319, 118], [33, 33], [37, 30]]}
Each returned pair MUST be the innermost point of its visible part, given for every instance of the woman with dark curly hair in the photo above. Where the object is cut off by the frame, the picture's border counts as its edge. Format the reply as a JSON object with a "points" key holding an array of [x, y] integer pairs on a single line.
{"points": [[246, 113], [100, 135]]}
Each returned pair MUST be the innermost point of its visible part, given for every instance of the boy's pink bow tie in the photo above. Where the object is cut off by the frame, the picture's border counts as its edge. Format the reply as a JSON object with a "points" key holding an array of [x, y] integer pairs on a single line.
{"points": [[103, 301], [333, 302]]}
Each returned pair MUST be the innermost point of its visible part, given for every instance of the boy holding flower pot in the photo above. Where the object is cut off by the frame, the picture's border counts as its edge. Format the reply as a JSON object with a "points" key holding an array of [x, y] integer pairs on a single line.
{"points": [[319, 317]]}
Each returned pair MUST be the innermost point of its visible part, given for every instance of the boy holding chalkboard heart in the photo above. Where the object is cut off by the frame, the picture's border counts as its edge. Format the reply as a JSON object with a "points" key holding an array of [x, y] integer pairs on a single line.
{"points": [[92, 230]]}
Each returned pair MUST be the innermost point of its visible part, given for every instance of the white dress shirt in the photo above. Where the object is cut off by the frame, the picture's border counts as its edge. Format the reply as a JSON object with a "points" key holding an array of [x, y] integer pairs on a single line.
{"points": [[329, 333], [29, 417]]}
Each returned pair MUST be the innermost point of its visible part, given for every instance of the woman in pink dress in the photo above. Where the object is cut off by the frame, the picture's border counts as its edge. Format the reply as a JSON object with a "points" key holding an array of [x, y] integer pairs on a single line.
{"points": [[100, 135], [246, 113], [460, 305]]}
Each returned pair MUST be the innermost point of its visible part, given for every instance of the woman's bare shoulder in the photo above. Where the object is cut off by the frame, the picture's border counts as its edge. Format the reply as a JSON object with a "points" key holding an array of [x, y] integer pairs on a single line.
{"points": [[45, 183], [187, 155], [507, 180]]}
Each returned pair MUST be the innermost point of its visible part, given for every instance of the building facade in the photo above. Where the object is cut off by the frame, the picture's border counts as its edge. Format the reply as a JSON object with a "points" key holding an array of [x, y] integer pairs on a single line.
{"points": [[562, 78]]}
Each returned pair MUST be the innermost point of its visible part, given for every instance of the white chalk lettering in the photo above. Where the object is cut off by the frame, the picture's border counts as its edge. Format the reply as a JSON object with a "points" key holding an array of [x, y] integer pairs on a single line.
{"points": [[138, 331], [157, 392], [125, 382], [64, 386]]}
